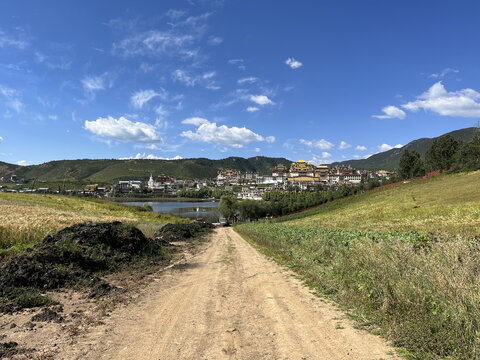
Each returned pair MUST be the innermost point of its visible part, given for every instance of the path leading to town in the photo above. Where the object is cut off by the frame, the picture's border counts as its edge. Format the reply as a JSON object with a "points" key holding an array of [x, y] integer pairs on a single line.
{"points": [[228, 302]]}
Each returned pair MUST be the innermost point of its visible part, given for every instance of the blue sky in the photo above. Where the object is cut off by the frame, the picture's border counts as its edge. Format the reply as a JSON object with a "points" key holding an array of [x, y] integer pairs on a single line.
{"points": [[316, 80]]}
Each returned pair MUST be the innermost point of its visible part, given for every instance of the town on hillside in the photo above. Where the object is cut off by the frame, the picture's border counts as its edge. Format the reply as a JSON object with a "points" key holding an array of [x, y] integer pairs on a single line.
{"points": [[301, 176]]}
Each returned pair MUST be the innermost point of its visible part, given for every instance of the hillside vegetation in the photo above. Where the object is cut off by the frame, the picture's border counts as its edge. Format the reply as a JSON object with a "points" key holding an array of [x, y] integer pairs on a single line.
{"points": [[25, 219], [404, 259], [390, 159], [110, 170]]}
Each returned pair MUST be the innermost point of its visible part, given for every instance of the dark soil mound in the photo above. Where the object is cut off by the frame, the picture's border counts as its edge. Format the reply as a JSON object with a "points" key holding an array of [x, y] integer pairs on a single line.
{"points": [[8, 349], [71, 257], [48, 315], [76, 254], [182, 232]]}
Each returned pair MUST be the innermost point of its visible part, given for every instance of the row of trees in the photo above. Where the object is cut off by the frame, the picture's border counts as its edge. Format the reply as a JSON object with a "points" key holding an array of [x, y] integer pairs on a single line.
{"points": [[275, 203], [445, 152]]}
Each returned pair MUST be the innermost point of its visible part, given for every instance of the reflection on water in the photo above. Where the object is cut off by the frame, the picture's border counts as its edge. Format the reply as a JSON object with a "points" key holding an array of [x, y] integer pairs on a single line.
{"points": [[205, 210]]}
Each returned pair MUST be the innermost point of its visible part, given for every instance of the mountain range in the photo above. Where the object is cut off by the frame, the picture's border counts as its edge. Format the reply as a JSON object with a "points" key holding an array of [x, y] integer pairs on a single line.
{"points": [[389, 160], [111, 170]]}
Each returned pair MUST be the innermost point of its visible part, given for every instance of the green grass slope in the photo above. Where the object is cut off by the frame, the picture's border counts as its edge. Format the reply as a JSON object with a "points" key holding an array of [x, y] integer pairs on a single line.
{"points": [[404, 260]]}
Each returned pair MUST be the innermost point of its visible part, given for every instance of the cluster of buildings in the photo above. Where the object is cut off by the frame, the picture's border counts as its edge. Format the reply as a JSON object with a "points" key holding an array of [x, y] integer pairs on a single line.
{"points": [[301, 176]]}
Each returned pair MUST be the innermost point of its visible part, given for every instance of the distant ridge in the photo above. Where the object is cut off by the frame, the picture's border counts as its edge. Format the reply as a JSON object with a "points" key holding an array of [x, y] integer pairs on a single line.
{"points": [[389, 159], [105, 170]]}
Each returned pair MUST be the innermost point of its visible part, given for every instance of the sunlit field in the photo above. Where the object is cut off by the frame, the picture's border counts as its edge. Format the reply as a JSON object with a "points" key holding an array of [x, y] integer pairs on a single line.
{"points": [[26, 219], [404, 260]]}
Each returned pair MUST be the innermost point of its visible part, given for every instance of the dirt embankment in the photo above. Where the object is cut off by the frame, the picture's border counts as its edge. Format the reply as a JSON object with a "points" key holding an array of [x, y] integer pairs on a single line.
{"points": [[227, 302], [84, 258]]}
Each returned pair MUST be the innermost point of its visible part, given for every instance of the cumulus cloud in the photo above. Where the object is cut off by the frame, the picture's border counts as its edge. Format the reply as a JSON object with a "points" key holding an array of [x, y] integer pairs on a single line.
{"points": [[361, 148], [1, 139], [462, 103], [386, 147], [343, 145], [319, 144], [140, 156], [324, 158], [141, 97], [11, 98], [222, 135], [197, 121], [294, 64], [443, 73], [252, 109], [391, 112], [257, 149], [124, 130], [22, 162], [261, 100]]}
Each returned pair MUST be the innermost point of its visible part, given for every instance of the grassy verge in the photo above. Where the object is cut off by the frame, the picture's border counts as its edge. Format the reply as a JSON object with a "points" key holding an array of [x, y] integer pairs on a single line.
{"points": [[25, 219], [415, 278]]}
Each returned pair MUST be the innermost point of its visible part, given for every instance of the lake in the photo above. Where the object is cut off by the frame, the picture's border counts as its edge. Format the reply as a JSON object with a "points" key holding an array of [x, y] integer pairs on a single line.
{"points": [[205, 210]]}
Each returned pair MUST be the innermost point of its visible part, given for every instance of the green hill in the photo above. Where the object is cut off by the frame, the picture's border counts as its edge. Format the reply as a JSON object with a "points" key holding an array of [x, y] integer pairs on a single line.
{"points": [[105, 170], [390, 159], [403, 259]]}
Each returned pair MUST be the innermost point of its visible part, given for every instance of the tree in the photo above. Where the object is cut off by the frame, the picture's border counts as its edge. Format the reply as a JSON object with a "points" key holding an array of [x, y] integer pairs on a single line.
{"points": [[469, 154], [411, 165], [228, 206], [441, 154]]}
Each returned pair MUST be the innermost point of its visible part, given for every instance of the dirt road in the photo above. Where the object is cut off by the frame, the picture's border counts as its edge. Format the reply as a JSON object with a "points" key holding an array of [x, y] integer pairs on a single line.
{"points": [[228, 302]]}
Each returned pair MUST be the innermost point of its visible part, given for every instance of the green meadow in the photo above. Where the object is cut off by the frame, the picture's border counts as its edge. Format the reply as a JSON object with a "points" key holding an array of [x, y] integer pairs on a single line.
{"points": [[404, 261]]}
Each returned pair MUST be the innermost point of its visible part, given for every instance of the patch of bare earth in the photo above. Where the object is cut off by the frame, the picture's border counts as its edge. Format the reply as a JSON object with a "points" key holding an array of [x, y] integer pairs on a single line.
{"points": [[78, 314], [226, 302]]}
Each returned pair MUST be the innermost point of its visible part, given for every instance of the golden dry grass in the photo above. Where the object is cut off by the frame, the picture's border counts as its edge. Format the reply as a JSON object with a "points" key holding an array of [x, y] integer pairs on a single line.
{"points": [[26, 219]]}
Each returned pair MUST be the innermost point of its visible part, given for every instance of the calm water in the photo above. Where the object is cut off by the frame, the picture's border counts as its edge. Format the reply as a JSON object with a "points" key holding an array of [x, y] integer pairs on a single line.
{"points": [[206, 210]]}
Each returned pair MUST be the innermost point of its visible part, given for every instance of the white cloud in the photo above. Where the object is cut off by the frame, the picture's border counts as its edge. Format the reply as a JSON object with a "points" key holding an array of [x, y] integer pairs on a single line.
{"points": [[197, 121], [257, 149], [215, 40], [191, 80], [261, 100], [1, 139], [443, 73], [93, 83], [183, 77], [319, 144], [326, 155], [321, 159], [123, 129], [386, 147], [17, 40], [249, 80], [154, 43], [361, 148], [141, 97], [222, 135], [343, 145], [140, 156], [462, 103], [22, 162], [238, 63], [11, 98], [391, 112], [294, 64], [252, 109]]}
